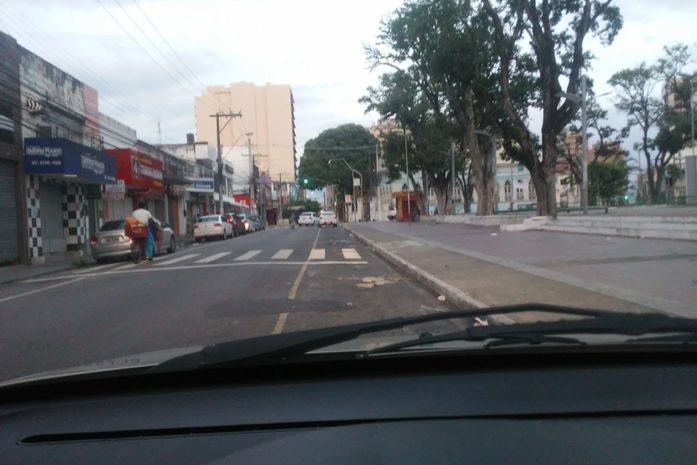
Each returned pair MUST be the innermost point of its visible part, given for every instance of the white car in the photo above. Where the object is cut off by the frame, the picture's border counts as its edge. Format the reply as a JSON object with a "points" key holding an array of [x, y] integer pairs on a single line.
{"points": [[327, 218], [307, 219], [212, 226]]}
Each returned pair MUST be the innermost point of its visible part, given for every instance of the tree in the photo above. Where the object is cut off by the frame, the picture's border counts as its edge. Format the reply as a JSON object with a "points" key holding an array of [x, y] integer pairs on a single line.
{"points": [[352, 142], [663, 130], [443, 48], [556, 31], [607, 180]]}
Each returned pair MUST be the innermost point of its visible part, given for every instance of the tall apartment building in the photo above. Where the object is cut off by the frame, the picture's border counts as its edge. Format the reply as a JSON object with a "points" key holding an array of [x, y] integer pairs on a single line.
{"points": [[267, 113]]}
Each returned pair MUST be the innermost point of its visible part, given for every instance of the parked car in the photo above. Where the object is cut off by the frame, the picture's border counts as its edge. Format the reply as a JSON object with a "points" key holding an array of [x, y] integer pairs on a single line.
{"points": [[308, 219], [327, 218], [212, 226], [111, 241], [246, 221], [237, 224], [258, 225]]}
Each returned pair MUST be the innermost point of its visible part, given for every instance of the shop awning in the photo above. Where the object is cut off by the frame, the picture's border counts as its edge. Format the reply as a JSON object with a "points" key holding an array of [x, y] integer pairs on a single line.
{"points": [[64, 159]]}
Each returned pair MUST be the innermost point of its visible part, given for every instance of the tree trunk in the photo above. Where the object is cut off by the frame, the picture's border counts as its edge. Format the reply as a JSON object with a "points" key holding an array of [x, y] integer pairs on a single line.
{"points": [[649, 177], [481, 171], [442, 199]]}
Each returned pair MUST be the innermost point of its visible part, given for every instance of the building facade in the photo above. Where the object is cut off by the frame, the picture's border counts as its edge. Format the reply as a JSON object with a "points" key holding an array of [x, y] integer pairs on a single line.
{"points": [[267, 118]]}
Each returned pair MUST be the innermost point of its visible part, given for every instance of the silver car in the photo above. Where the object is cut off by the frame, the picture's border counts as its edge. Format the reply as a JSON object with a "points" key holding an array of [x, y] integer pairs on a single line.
{"points": [[111, 242]]}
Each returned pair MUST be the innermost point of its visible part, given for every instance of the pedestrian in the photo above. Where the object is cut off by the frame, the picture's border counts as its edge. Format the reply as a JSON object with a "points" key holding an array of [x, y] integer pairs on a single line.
{"points": [[144, 217]]}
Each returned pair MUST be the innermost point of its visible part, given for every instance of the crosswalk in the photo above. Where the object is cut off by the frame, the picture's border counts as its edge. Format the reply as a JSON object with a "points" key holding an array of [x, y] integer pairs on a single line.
{"points": [[313, 256]]}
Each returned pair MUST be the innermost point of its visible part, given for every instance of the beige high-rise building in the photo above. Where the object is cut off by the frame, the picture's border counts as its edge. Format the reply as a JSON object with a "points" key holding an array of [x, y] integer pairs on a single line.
{"points": [[267, 112]]}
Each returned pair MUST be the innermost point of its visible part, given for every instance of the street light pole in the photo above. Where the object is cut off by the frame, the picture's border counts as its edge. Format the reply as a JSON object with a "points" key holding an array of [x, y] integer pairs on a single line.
{"points": [[452, 173], [377, 182], [406, 161], [584, 147]]}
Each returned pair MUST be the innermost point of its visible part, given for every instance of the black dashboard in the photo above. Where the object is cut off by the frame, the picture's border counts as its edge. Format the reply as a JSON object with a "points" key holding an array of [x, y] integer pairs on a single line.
{"points": [[523, 409]]}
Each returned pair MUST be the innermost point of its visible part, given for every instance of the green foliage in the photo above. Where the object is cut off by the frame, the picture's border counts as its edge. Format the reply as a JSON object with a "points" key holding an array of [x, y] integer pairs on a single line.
{"points": [[673, 172], [639, 96], [308, 205], [607, 180], [352, 142]]}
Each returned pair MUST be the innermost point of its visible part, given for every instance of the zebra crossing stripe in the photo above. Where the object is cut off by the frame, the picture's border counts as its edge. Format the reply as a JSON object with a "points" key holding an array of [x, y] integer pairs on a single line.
{"points": [[248, 255], [282, 254], [123, 267], [177, 260], [317, 254], [213, 257], [350, 254]]}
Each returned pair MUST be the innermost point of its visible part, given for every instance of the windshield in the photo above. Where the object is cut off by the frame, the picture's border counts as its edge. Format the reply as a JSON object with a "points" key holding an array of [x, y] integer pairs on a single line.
{"points": [[461, 155], [113, 225]]}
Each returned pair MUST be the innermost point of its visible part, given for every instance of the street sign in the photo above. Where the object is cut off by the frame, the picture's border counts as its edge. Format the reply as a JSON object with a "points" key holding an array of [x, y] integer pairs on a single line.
{"points": [[356, 182], [348, 198]]}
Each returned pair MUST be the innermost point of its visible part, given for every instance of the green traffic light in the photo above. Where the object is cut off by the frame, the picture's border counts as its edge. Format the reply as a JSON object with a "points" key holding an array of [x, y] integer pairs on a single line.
{"points": [[305, 181]]}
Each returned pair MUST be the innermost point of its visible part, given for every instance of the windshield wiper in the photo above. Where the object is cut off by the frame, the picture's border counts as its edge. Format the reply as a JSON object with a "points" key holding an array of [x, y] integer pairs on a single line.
{"points": [[284, 347], [544, 332]]}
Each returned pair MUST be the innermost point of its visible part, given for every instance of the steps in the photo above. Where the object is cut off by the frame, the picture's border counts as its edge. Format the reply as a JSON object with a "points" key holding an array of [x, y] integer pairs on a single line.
{"points": [[655, 227]]}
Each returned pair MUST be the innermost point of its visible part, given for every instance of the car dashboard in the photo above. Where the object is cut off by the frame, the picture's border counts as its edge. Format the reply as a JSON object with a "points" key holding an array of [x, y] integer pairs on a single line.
{"points": [[542, 409]]}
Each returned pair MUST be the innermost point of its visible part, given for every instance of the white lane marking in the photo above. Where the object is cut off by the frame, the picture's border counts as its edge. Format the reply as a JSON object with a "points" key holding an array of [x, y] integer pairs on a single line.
{"points": [[177, 260], [278, 329], [282, 254], [350, 254], [213, 257], [95, 269], [191, 267], [248, 255], [36, 291], [316, 254], [124, 267]]}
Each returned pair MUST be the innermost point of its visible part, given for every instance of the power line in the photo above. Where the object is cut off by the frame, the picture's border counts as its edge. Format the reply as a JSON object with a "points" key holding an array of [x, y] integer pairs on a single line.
{"points": [[123, 28], [35, 34], [154, 45], [168, 44]]}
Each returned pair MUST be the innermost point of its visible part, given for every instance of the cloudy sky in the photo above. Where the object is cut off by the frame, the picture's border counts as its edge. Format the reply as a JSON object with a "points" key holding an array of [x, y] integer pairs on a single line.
{"points": [[316, 46]]}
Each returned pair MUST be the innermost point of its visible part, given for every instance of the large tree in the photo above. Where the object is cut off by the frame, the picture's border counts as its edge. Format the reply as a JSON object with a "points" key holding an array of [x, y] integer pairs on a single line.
{"points": [[663, 131], [555, 30], [353, 143]]}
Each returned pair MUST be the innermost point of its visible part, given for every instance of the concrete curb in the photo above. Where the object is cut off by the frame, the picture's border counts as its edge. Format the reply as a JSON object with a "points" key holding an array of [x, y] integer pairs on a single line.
{"points": [[38, 275], [452, 294]]}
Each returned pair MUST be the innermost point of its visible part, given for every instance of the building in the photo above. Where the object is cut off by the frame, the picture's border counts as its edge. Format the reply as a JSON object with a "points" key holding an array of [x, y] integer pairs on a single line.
{"points": [[267, 119], [13, 227], [64, 165]]}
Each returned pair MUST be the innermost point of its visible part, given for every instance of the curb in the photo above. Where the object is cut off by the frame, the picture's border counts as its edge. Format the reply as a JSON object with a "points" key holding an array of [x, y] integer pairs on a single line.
{"points": [[451, 293], [37, 275]]}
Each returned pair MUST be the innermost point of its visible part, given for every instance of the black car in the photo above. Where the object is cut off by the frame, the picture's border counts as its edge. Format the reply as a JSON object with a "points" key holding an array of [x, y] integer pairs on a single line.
{"points": [[237, 225]]}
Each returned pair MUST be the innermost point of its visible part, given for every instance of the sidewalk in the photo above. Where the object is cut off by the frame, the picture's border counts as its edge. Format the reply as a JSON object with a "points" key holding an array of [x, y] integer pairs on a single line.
{"points": [[469, 278], [55, 264]]}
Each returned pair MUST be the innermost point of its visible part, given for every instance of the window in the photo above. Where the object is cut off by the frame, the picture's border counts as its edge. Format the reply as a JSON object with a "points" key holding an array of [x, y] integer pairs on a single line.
{"points": [[519, 193], [507, 191], [531, 192]]}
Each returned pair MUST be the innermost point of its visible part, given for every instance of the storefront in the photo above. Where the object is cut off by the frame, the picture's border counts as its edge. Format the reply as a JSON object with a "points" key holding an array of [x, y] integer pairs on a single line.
{"points": [[59, 175], [142, 177], [199, 199]]}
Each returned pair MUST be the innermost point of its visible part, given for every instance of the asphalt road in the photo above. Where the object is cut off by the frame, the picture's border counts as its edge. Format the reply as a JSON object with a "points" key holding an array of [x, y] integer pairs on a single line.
{"points": [[265, 283]]}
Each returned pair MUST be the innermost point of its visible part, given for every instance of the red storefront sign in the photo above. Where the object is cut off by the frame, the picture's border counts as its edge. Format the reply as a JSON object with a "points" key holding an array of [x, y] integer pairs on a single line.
{"points": [[244, 199], [140, 172]]}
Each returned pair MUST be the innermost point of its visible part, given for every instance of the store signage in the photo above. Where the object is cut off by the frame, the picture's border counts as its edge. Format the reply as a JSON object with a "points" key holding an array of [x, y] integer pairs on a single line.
{"points": [[204, 185], [63, 158], [138, 171]]}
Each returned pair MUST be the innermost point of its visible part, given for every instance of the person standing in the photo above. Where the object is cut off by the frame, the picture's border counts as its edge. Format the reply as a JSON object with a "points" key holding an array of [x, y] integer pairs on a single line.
{"points": [[144, 217]]}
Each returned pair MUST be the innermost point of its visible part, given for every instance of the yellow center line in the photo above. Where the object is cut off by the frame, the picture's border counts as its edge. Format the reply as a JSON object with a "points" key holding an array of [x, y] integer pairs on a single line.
{"points": [[296, 285], [278, 329]]}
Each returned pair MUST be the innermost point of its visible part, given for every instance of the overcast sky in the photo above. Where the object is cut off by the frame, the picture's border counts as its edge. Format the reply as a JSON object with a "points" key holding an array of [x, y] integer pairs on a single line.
{"points": [[316, 46]]}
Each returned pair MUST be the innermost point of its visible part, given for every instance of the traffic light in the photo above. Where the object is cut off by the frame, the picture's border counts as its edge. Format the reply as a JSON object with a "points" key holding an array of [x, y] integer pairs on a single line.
{"points": [[306, 182]]}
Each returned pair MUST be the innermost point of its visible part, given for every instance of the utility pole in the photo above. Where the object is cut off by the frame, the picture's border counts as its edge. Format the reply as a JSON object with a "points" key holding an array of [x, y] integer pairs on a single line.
{"points": [[452, 173], [218, 129], [377, 181], [279, 218], [252, 178], [584, 147], [406, 161]]}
